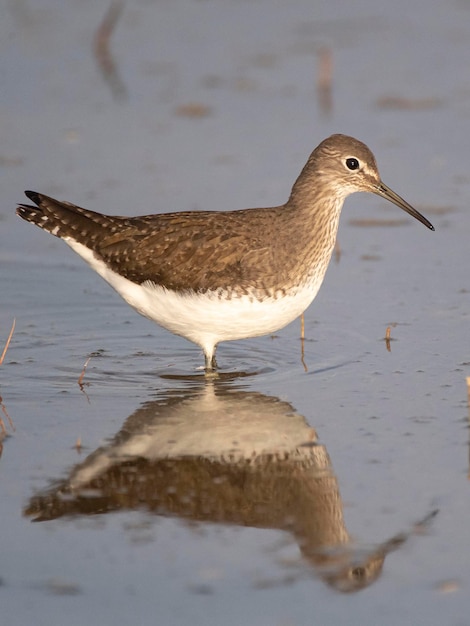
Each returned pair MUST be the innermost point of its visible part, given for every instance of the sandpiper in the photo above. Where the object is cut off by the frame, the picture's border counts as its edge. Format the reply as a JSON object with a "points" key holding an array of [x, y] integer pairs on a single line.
{"points": [[214, 276]]}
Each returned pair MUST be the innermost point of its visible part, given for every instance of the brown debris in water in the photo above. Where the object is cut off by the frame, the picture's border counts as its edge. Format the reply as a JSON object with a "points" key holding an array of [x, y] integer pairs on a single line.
{"points": [[102, 53], [407, 104], [325, 80], [193, 109]]}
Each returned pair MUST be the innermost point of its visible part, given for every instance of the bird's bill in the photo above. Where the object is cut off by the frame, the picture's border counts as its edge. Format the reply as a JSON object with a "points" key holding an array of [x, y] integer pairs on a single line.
{"points": [[385, 192]]}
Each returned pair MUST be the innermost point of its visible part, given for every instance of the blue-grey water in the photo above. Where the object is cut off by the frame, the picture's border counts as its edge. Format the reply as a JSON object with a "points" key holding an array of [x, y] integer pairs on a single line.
{"points": [[273, 495]]}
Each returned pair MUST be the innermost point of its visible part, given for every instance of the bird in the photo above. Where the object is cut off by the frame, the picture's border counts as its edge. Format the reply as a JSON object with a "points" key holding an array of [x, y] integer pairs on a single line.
{"points": [[213, 276]]}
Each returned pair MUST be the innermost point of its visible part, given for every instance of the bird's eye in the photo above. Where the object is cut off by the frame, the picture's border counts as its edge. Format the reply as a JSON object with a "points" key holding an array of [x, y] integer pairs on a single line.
{"points": [[352, 164]]}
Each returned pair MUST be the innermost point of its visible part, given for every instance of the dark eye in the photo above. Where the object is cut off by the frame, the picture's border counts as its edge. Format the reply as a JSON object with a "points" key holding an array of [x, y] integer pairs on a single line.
{"points": [[352, 164]]}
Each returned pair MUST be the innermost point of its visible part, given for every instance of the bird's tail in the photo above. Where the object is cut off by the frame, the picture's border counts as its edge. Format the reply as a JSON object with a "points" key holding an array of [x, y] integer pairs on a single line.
{"points": [[63, 219]]}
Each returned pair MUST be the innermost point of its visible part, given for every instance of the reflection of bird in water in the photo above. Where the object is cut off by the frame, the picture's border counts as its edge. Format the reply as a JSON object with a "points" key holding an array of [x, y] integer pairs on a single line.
{"points": [[222, 456]]}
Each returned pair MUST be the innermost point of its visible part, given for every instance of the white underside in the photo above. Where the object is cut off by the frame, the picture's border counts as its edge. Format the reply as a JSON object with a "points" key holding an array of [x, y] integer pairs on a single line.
{"points": [[230, 428], [205, 319]]}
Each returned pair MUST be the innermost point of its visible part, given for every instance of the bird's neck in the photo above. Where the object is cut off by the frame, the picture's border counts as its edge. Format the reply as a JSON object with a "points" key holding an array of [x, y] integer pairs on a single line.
{"points": [[316, 205], [316, 210]]}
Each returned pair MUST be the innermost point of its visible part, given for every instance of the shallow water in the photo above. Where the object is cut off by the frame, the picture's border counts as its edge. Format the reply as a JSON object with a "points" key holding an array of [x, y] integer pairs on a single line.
{"points": [[269, 495]]}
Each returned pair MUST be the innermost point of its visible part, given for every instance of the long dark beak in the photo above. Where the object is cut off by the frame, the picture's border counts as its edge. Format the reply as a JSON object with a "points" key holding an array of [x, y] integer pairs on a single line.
{"points": [[385, 192]]}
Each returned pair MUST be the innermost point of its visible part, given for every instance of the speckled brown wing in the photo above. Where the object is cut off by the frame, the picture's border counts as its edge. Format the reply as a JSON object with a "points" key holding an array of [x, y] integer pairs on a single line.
{"points": [[183, 251], [192, 251]]}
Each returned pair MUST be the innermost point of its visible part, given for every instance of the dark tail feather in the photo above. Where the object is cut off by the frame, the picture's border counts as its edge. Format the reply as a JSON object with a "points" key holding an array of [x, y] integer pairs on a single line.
{"points": [[63, 219], [34, 196]]}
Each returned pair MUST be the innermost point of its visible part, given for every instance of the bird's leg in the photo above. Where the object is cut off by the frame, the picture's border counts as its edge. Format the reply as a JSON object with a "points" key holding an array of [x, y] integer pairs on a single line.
{"points": [[210, 362]]}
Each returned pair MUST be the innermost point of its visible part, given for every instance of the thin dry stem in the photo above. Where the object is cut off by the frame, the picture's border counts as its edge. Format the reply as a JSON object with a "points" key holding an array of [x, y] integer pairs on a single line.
{"points": [[388, 333], [3, 429], [81, 384], [5, 413], [302, 342], [2, 358]]}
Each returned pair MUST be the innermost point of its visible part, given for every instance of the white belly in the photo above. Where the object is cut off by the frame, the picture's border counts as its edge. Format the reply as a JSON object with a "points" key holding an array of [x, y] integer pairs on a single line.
{"points": [[205, 318]]}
